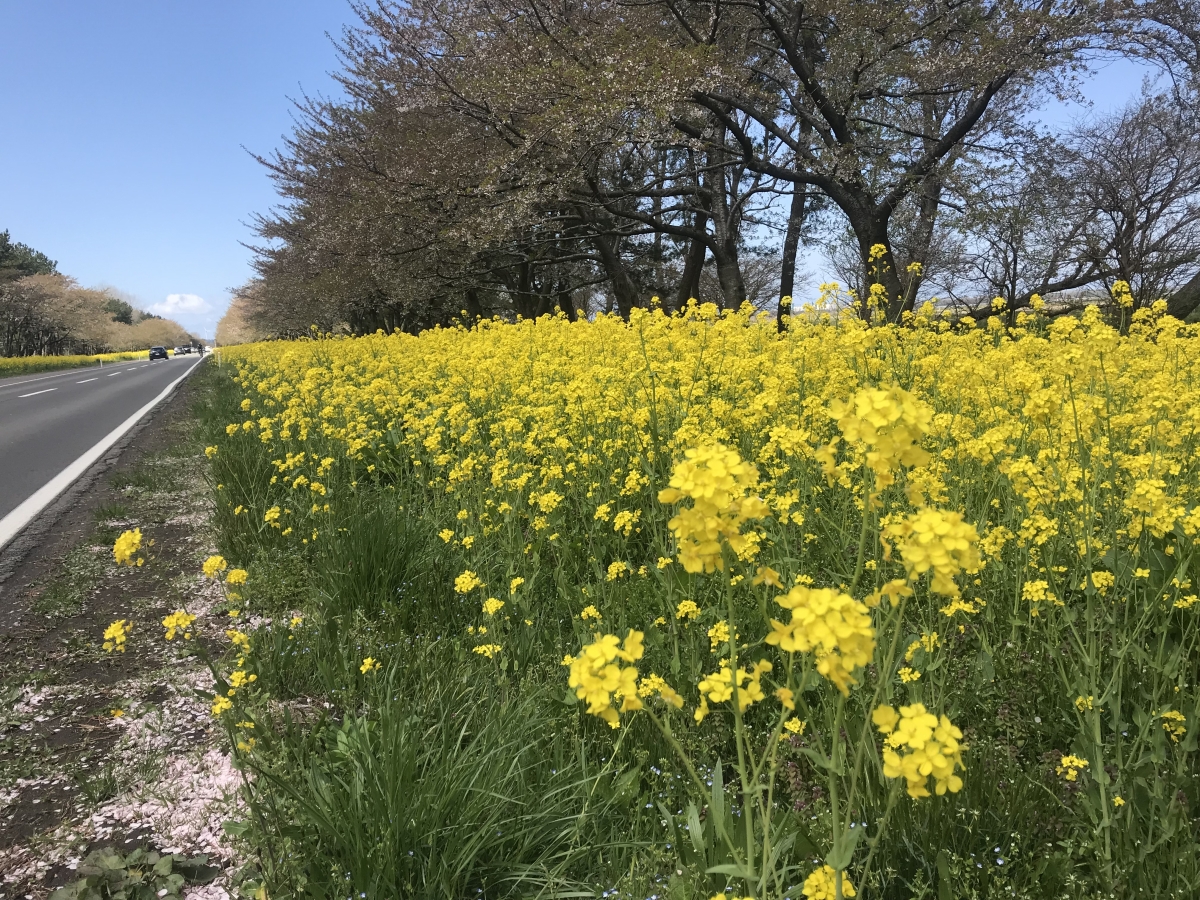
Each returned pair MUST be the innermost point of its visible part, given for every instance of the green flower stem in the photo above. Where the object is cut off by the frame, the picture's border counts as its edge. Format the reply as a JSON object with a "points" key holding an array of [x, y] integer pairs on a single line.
{"points": [[880, 683], [770, 762], [893, 794], [832, 783], [868, 517], [701, 787], [740, 737]]}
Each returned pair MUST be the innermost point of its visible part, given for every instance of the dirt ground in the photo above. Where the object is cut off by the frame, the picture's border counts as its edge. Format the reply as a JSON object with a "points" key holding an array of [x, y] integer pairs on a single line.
{"points": [[117, 750]]}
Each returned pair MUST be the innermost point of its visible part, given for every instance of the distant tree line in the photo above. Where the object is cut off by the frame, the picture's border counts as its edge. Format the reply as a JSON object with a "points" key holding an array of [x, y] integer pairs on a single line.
{"points": [[43, 312], [520, 157]]}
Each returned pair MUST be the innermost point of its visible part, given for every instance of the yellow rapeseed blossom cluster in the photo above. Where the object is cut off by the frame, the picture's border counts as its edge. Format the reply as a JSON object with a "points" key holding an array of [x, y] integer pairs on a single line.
{"points": [[919, 745], [126, 547], [598, 678], [821, 884], [467, 582], [213, 566], [889, 423], [1070, 766], [832, 625], [115, 635], [939, 542], [687, 609], [1174, 723], [655, 685], [717, 480], [721, 685], [178, 621]]}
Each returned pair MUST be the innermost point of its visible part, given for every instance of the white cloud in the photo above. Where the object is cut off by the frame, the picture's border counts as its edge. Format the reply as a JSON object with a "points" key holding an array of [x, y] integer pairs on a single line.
{"points": [[186, 305], [191, 311]]}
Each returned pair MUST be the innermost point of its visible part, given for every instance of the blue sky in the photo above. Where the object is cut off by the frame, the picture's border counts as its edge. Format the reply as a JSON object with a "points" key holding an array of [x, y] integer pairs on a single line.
{"points": [[124, 122], [123, 127]]}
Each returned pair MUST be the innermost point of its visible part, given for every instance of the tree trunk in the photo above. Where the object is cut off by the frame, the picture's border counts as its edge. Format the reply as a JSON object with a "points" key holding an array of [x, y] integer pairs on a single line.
{"points": [[522, 291], [791, 244], [660, 281], [1186, 300], [567, 303], [693, 264], [729, 273], [623, 290], [474, 307], [871, 230], [931, 198], [725, 230]]}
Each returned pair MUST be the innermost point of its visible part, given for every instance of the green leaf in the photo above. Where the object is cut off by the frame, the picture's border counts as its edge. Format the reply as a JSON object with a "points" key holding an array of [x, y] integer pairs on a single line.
{"points": [[783, 846], [717, 804], [734, 870], [237, 829], [943, 869], [841, 860], [71, 891], [197, 869], [985, 672], [696, 830], [108, 860]]}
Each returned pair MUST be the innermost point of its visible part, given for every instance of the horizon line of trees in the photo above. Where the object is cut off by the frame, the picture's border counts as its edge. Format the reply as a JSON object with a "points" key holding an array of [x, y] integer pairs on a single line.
{"points": [[521, 157], [46, 313]]}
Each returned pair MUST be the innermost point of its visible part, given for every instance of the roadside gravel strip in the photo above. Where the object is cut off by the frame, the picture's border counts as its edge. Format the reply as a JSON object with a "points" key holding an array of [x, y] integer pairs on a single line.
{"points": [[16, 521], [114, 751]]}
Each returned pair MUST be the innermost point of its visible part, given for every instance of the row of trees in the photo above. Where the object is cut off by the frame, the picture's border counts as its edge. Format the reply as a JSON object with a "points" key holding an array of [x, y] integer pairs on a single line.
{"points": [[43, 312], [525, 156], [237, 325]]}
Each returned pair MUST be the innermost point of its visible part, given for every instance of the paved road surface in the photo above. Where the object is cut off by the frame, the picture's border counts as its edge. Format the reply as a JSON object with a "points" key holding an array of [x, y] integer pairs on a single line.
{"points": [[49, 420]]}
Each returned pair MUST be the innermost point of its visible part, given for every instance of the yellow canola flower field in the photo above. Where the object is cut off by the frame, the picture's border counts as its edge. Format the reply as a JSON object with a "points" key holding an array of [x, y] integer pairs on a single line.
{"points": [[546, 417], [989, 498], [24, 365]]}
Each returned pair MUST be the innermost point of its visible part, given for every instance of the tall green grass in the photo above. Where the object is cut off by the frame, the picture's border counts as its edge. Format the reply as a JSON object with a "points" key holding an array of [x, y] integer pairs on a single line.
{"points": [[440, 787]]}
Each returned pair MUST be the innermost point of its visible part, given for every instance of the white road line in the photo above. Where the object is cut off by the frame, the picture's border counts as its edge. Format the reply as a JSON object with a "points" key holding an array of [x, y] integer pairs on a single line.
{"points": [[73, 371], [11, 525], [86, 380], [111, 374], [35, 393]]}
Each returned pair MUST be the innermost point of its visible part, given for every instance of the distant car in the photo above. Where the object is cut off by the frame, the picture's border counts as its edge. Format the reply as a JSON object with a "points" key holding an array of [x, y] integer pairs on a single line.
{"points": [[158, 352], [179, 351]]}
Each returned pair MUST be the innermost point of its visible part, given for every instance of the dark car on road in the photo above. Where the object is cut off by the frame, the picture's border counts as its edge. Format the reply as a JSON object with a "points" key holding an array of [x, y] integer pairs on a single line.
{"points": [[158, 352]]}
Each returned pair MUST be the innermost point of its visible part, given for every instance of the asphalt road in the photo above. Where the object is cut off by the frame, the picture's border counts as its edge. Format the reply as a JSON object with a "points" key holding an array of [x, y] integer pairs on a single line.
{"points": [[49, 420]]}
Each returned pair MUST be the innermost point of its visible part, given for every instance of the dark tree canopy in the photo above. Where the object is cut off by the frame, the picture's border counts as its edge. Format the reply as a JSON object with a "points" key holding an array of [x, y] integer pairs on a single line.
{"points": [[523, 157], [18, 260]]}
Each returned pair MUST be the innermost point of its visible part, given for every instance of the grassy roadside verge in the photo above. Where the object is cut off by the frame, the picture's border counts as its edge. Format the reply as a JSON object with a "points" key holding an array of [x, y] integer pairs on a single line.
{"points": [[117, 753]]}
